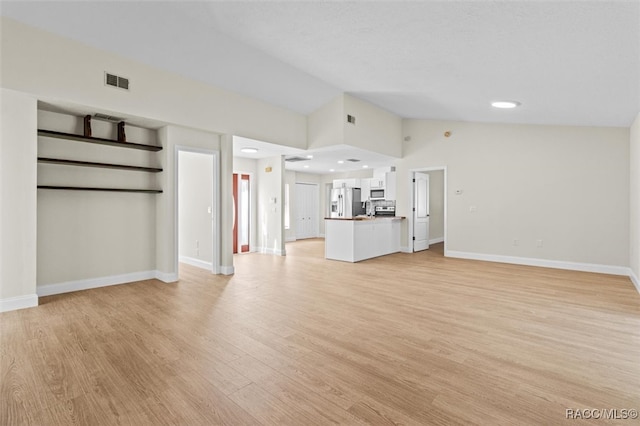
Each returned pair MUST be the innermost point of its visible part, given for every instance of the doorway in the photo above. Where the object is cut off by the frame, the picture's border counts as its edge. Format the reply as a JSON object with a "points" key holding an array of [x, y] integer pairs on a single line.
{"points": [[307, 210], [241, 212], [196, 209], [428, 206]]}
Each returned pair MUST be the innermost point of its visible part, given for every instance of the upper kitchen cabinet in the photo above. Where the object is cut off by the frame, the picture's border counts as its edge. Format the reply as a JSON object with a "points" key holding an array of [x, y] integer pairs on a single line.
{"points": [[346, 183], [347, 120]]}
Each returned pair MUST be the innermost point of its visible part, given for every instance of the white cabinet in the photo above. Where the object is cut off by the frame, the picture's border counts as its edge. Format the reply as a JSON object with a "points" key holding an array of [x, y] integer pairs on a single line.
{"points": [[356, 240], [387, 181], [390, 186], [346, 183], [365, 185], [377, 182]]}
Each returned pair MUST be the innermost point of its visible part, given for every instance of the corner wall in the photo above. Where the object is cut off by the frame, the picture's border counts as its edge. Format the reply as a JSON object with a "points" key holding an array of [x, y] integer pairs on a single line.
{"points": [[18, 222], [566, 186], [271, 205], [634, 201]]}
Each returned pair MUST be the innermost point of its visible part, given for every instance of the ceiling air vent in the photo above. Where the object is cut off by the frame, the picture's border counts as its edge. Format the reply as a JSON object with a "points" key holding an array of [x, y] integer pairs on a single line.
{"points": [[296, 159], [116, 81], [353, 160]]}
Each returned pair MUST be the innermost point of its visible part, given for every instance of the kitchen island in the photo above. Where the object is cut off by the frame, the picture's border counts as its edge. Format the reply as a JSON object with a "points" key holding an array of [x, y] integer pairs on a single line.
{"points": [[360, 238]]}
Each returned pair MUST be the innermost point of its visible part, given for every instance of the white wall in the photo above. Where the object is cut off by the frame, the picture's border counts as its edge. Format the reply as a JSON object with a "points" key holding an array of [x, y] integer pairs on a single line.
{"points": [[86, 235], [325, 126], [58, 69], [171, 137], [195, 201], [270, 205], [249, 166], [375, 129], [567, 186], [634, 204], [18, 152]]}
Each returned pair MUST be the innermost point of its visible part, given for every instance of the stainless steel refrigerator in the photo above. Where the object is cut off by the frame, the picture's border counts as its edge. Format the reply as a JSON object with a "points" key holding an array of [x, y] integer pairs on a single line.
{"points": [[345, 203]]}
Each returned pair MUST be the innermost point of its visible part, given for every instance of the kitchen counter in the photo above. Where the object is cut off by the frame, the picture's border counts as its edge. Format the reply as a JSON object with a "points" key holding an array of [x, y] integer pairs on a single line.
{"points": [[360, 238], [366, 218]]}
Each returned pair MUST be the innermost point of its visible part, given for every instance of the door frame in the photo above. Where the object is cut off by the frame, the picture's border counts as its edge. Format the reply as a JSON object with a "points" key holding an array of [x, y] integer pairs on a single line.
{"points": [[215, 211], [238, 247], [316, 227], [411, 197]]}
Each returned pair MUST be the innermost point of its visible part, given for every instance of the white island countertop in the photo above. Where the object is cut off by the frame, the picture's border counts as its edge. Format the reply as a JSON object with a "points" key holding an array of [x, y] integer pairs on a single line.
{"points": [[359, 238]]}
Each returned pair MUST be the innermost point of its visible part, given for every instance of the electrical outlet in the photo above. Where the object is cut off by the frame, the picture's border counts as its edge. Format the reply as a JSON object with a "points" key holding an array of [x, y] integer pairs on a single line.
{"points": [[538, 243], [473, 209], [516, 243]]}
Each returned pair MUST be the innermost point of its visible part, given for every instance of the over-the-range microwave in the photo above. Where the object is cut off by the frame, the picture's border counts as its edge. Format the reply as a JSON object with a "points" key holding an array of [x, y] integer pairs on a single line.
{"points": [[376, 194]]}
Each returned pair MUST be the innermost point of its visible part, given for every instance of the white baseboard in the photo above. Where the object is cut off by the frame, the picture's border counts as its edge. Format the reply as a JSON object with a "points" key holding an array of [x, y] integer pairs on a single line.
{"points": [[66, 287], [405, 249], [290, 239], [196, 262], [18, 302], [556, 264], [320, 235], [634, 279], [166, 277], [268, 250], [436, 240], [227, 270]]}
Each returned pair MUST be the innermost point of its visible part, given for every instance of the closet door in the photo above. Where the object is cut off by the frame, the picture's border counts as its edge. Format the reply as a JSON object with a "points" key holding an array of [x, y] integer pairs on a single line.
{"points": [[306, 211]]}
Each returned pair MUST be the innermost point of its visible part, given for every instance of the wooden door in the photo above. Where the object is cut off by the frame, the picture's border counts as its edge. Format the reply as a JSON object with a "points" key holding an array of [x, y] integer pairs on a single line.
{"points": [[241, 213]]}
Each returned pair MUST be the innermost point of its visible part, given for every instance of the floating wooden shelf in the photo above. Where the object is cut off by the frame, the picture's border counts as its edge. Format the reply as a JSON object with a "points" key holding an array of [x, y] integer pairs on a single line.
{"points": [[99, 165], [81, 188], [99, 141]]}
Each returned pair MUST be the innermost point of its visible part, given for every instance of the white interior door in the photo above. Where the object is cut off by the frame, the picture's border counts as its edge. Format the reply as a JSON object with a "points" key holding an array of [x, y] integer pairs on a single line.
{"points": [[307, 199], [420, 211]]}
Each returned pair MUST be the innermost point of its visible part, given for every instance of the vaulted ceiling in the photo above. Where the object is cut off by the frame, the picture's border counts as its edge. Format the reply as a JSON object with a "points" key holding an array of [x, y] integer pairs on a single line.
{"points": [[574, 63]]}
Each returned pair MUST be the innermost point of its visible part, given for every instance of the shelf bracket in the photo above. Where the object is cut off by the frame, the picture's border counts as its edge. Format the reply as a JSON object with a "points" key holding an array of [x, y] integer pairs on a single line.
{"points": [[121, 136], [87, 126]]}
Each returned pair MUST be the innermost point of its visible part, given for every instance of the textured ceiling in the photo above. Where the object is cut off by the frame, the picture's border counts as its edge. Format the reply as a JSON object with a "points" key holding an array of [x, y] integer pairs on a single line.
{"points": [[568, 62]]}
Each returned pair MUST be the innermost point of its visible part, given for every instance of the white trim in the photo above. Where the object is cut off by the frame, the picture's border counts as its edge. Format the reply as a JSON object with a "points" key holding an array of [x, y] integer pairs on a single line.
{"points": [[216, 237], [290, 239], [166, 277], [320, 235], [267, 250], [405, 249], [410, 205], [436, 240], [634, 279], [227, 270], [69, 286], [196, 262], [18, 302], [545, 263]]}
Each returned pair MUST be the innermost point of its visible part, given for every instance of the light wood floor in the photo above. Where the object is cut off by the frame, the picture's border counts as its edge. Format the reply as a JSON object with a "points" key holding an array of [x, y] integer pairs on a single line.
{"points": [[298, 340]]}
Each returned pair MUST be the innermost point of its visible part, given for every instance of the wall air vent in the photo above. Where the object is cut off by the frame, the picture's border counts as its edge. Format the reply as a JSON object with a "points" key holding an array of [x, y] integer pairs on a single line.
{"points": [[296, 159], [105, 117], [353, 160], [351, 119], [116, 81]]}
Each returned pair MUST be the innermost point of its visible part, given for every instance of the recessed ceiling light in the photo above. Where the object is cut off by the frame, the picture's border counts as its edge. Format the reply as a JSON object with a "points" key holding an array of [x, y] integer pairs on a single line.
{"points": [[332, 170], [505, 104], [340, 161], [306, 166], [309, 156], [365, 167], [249, 150]]}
